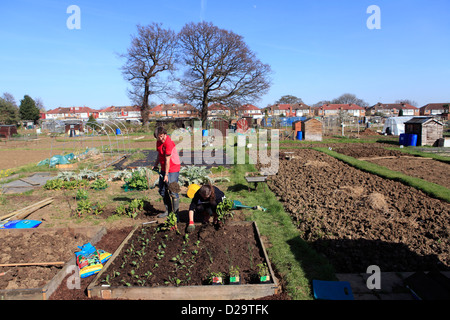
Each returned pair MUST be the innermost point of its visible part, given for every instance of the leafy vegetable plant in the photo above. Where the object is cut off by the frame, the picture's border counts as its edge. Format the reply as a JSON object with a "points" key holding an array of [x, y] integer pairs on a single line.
{"points": [[137, 181], [54, 184], [194, 174], [224, 210], [99, 184]]}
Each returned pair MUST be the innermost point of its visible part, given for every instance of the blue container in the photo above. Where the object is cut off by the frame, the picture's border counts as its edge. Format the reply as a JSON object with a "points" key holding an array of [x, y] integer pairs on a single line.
{"points": [[299, 135], [403, 139], [204, 133], [412, 140], [118, 131]]}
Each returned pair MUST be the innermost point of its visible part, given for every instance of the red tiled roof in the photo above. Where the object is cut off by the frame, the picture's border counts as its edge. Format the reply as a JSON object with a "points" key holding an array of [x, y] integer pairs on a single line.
{"points": [[398, 106], [157, 108], [124, 108], [300, 106], [434, 106], [341, 106], [217, 106], [283, 106], [172, 106], [248, 107], [72, 110]]}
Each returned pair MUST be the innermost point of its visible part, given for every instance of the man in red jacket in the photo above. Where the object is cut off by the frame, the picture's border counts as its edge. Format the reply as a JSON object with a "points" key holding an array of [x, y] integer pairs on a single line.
{"points": [[169, 160]]}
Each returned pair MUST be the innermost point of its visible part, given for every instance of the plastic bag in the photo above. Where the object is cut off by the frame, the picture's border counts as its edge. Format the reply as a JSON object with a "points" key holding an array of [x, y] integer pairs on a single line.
{"points": [[88, 260]]}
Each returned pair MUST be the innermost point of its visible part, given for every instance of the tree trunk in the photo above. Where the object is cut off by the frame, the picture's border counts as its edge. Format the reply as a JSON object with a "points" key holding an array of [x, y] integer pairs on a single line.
{"points": [[204, 113], [145, 109]]}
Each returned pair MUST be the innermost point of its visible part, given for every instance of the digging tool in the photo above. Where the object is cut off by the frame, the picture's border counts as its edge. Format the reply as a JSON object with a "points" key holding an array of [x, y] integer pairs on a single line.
{"points": [[237, 204]]}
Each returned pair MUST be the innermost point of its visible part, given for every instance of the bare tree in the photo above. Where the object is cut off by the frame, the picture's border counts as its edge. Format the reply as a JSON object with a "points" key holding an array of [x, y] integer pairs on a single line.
{"points": [[10, 98], [40, 104], [321, 103], [348, 98], [289, 99], [220, 68], [407, 101], [152, 52]]}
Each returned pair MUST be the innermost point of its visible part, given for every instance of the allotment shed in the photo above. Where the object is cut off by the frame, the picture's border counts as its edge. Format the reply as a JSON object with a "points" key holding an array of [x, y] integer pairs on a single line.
{"points": [[428, 130], [73, 128], [7, 130], [312, 130]]}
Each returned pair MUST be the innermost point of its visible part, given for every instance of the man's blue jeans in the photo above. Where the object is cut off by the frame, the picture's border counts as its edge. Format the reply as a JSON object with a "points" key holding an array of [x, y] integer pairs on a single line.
{"points": [[164, 191], [164, 188]]}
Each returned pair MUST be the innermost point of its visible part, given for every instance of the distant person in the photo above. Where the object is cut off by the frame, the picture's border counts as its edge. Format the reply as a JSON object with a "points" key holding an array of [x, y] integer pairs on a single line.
{"points": [[169, 160], [205, 203]]}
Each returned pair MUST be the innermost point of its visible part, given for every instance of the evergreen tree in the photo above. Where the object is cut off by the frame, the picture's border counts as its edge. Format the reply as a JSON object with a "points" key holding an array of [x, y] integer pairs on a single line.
{"points": [[92, 123], [28, 109]]}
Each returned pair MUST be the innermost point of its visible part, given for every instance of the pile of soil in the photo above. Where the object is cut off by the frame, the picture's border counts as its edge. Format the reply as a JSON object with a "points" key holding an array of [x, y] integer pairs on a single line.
{"points": [[357, 219]]}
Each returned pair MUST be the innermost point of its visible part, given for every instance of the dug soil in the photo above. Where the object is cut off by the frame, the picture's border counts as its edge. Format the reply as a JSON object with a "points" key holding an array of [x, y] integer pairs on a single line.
{"points": [[424, 168], [30, 246], [357, 219], [153, 257]]}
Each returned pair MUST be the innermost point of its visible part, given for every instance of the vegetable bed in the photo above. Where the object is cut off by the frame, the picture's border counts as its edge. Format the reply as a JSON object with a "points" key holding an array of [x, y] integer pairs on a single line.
{"points": [[153, 263]]}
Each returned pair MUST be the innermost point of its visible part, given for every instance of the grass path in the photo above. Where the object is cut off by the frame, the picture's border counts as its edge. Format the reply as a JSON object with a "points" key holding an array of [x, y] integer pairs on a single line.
{"points": [[291, 256]]}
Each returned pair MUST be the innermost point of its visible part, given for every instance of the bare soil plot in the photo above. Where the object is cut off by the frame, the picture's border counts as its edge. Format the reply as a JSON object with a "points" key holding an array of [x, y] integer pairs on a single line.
{"points": [[37, 246], [425, 168], [357, 219], [14, 154]]}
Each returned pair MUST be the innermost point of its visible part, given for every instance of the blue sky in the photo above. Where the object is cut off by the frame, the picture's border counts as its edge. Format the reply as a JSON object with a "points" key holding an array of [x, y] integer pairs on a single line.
{"points": [[317, 49]]}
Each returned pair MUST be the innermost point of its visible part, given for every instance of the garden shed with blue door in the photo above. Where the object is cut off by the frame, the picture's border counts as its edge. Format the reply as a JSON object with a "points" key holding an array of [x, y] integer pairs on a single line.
{"points": [[311, 129], [428, 130]]}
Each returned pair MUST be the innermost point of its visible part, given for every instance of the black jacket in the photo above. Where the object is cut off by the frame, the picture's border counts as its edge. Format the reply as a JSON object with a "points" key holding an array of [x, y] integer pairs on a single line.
{"points": [[197, 200]]}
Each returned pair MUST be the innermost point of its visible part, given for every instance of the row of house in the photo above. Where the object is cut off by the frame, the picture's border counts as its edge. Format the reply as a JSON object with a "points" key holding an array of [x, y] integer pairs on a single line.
{"points": [[217, 110], [159, 111]]}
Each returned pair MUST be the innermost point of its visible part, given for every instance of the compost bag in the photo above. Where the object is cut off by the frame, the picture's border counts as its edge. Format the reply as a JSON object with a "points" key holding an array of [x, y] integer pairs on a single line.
{"points": [[90, 260]]}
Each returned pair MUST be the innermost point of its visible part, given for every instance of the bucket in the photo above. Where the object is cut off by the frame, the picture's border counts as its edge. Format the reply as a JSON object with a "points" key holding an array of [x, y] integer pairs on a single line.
{"points": [[412, 140], [299, 135], [204, 133], [192, 189], [117, 131], [403, 139]]}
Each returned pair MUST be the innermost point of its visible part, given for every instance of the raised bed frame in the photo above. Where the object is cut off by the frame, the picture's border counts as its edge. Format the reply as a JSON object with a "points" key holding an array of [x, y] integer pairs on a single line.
{"points": [[44, 293], [198, 292]]}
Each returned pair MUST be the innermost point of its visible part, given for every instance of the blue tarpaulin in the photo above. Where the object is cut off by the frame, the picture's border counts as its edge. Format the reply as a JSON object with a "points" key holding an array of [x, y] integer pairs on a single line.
{"points": [[284, 121], [58, 159]]}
